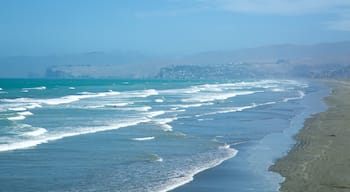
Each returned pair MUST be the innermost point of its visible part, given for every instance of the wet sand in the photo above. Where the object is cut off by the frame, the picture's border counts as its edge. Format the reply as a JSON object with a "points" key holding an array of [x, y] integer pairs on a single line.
{"points": [[320, 162]]}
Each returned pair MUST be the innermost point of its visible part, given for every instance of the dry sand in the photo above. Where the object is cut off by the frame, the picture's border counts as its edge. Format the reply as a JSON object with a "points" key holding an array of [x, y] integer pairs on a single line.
{"points": [[320, 162]]}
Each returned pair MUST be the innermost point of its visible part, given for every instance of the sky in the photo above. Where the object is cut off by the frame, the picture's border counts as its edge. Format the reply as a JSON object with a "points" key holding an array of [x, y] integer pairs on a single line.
{"points": [[161, 27]]}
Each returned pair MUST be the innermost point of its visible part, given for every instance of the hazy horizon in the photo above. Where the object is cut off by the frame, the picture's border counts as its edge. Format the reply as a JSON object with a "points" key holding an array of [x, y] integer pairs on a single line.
{"points": [[171, 27]]}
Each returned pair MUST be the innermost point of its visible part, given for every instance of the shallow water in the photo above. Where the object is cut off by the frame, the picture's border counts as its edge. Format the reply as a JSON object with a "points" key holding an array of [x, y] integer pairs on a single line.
{"points": [[135, 135]]}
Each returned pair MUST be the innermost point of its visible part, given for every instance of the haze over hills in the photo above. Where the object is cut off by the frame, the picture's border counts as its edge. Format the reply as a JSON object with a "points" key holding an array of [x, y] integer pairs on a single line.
{"points": [[288, 60]]}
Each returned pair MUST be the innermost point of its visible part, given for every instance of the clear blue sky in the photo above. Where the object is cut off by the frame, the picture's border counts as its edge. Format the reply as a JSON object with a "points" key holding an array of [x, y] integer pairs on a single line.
{"points": [[40, 27]]}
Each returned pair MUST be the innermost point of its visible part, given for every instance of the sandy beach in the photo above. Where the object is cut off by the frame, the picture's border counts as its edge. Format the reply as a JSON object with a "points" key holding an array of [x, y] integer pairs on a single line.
{"points": [[320, 161]]}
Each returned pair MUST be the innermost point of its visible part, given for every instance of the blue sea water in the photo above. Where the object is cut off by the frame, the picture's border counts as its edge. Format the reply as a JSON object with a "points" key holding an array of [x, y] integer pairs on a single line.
{"points": [[143, 135]]}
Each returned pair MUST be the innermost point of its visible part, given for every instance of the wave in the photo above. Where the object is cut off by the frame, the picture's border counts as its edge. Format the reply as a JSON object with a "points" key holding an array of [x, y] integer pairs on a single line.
{"points": [[207, 97], [188, 177], [164, 123], [192, 105], [37, 132], [34, 88], [154, 158], [25, 113], [33, 106], [17, 108], [60, 100], [117, 105], [16, 118], [71, 88], [142, 109], [139, 93], [237, 109], [154, 114], [300, 96], [111, 105], [143, 138], [82, 131], [159, 100]]}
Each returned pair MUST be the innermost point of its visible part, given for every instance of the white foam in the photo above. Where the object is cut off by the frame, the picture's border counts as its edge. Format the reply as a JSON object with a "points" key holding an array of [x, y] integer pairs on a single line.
{"points": [[56, 136], [117, 105], [300, 96], [278, 90], [226, 146], [37, 132], [163, 122], [16, 118], [154, 114], [1, 89], [159, 100], [193, 105], [71, 88], [33, 106], [25, 113], [142, 109], [140, 93], [61, 100], [17, 108], [143, 138], [237, 109], [183, 179], [22, 126], [35, 88], [207, 97]]}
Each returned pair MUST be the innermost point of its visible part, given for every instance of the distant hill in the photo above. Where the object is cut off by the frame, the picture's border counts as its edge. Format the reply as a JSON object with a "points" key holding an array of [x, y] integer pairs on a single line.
{"points": [[326, 60], [288, 60]]}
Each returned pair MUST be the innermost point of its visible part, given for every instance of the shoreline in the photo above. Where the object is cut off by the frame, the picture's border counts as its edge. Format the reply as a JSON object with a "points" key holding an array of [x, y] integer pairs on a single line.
{"points": [[320, 159], [259, 155]]}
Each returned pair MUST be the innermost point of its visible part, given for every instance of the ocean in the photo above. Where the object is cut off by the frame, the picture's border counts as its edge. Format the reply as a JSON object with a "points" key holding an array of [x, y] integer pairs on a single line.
{"points": [[149, 135]]}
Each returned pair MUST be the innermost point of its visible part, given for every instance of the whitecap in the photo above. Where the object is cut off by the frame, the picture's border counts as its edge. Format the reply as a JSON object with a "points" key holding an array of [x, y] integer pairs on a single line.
{"points": [[33, 106], [164, 123], [207, 97], [37, 132], [35, 88], [226, 146], [79, 131], [154, 158], [236, 109], [154, 114], [188, 175], [159, 100], [71, 88], [140, 93], [16, 118], [25, 113], [60, 100], [117, 105], [143, 138], [17, 108], [142, 109], [193, 105], [301, 95]]}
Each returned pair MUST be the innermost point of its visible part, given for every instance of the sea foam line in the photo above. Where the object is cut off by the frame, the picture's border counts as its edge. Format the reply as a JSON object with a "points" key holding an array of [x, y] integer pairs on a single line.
{"points": [[143, 138], [35, 88], [16, 118], [60, 100], [188, 178], [237, 109], [34, 142], [207, 97]]}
